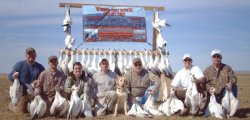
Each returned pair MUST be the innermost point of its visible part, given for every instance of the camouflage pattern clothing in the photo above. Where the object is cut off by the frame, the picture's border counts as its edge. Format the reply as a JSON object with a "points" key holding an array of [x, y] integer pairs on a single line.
{"points": [[219, 78]]}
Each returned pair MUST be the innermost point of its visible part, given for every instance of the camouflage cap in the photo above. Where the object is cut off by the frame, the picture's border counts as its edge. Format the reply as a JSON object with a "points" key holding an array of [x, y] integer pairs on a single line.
{"points": [[52, 58], [30, 49]]}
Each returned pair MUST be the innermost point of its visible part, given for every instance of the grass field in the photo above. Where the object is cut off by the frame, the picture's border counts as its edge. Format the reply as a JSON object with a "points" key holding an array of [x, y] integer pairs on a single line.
{"points": [[242, 113]]}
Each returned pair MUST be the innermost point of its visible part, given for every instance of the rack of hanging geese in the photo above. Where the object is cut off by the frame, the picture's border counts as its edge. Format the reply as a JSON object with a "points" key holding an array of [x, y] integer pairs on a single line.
{"points": [[120, 61]]}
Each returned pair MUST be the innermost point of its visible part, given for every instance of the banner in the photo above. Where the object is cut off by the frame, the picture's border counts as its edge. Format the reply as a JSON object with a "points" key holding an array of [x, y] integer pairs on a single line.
{"points": [[122, 24]]}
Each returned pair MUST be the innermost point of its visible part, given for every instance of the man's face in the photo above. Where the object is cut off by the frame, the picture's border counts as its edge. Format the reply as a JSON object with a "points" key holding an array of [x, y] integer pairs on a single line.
{"points": [[53, 64], [216, 59], [104, 66], [137, 67], [30, 57], [187, 62], [77, 70]]}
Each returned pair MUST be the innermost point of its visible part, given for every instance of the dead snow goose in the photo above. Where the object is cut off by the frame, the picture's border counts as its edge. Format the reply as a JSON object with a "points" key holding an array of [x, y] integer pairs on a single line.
{"points": [[16, 90], [75, 104]]}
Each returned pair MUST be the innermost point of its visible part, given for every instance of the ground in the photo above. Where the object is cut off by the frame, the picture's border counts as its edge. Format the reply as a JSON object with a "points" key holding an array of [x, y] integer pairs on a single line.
{"points": [[242, 113]]}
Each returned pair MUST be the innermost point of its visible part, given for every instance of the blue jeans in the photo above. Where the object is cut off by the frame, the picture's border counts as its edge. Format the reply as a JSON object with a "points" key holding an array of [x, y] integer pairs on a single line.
{"points": [[143, 98]]}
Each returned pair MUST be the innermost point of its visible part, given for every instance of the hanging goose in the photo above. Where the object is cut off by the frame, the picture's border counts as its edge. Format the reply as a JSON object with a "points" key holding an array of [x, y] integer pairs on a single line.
{"points": [[120, 62], [125, 61], [65, 64], [16, 90], [93, 67], [69, 41], [142, 59], [130, 64], [158, 23], [71, 62], [67, 22], [111, 62]]}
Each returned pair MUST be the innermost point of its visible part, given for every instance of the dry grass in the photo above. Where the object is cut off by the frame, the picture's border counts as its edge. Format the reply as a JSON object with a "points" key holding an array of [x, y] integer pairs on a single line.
{"points": [[242, 113]]}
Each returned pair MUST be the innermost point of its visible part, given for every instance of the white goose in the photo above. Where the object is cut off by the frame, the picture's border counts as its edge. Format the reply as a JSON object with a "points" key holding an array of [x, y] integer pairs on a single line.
{"points": [[60, 60], [87, 65], [77, 55], [16, 90], [130, 64], [169, 71], [146, 59], [67, 22], [120, 61], [75, 104], [111, 63], [69, 41], [192, 97], [125, 61], [149, 106], [65, 63], [155, 64], [71, 62], [93, 67], [214, 107], [142, 59], [165, 107], [137, 111], [37, 107], [60, 105], [161, 42], [158, 23], [229, 103], [151, 61], [86, 108], [99, 58], [175, 104], [83, 61]]}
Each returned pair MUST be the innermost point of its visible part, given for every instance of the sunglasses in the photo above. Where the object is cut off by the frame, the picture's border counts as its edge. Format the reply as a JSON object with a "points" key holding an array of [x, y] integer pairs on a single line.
{"points": [[216, 56], [186, 60], [137, 64]]}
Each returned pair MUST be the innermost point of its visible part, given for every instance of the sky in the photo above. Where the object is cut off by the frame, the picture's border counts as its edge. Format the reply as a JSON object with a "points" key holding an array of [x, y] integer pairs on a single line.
{"points": [[197, 27]]}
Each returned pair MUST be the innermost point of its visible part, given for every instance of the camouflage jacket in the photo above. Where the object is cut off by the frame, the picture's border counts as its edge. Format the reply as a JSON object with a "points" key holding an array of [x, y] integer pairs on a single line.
{"points": [[219, 78]]}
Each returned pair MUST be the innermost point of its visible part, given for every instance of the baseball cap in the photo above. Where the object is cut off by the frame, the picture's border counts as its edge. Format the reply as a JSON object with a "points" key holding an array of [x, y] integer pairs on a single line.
{"points": [[187, 56], [137, 60], [30, 49], [215, 51], [52, 58]]}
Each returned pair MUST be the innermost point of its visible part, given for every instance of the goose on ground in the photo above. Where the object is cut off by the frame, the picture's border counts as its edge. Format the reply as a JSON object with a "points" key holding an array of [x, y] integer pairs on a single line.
{"points": [[75, 104], [215, 108], [60, 105]]}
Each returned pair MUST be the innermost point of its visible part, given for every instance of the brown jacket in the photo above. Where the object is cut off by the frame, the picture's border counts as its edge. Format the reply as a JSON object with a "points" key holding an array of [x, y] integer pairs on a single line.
{"points": [[137, 84]]}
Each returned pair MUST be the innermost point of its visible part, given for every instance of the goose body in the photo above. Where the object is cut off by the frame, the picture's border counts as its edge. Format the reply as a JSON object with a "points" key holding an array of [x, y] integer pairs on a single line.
{"points": [[75, 104], [150, 107], [215, 108], [37, 107], [69, 41], [60, 105], [16, 90], [192, 97], [67, 22]]}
